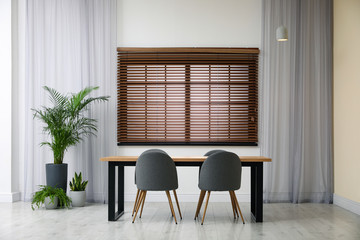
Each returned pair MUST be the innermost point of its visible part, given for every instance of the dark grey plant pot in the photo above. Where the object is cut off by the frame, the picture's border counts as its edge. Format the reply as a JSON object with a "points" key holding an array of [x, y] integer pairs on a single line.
{"points": [[56, 175]]}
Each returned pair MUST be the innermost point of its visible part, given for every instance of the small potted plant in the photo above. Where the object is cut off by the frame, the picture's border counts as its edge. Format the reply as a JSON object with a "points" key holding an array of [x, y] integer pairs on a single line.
{"points": [[51, 197], [77, 191]]}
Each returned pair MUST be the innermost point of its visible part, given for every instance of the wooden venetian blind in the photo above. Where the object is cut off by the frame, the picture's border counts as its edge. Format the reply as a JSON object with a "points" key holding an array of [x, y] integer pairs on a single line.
{"points": [[187, 96]]}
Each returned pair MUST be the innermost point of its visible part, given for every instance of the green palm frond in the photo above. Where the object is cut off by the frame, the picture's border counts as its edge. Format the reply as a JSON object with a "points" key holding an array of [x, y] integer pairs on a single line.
{"points": [[79, 103], [65, 122], [55, 97]]}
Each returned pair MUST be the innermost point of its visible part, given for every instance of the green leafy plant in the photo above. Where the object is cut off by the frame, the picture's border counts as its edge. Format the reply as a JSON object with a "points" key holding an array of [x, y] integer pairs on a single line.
{"points": [[77, 184], [65, 121], [51, 192]]}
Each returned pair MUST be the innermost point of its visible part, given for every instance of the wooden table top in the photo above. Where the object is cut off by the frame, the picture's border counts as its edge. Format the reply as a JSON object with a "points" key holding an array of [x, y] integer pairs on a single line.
{"points": [[183, 159]]}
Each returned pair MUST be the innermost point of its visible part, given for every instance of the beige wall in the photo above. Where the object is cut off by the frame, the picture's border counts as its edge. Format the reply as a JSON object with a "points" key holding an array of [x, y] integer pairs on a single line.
{"points": [[347, 98]]}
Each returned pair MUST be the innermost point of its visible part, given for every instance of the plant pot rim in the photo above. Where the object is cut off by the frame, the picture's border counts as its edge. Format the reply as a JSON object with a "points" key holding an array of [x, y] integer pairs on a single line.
{"points": [[56, 163], [77, 191], [55, 196]]}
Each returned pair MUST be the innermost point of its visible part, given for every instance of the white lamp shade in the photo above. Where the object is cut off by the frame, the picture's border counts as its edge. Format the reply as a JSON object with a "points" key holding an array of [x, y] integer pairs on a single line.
{"points": [[281, 34]]}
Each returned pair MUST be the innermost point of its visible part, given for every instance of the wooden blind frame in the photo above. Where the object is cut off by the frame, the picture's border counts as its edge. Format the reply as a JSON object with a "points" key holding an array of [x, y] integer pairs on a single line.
{"points": [[205, 96]]}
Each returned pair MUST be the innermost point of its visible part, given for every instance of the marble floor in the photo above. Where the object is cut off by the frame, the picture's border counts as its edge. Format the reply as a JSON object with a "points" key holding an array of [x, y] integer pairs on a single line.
{"points": [[281, 221]]}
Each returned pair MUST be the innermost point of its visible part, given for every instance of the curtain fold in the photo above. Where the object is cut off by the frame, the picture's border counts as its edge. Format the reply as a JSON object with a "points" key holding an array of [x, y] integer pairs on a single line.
{"points": [[296, 104], [71, 45]]}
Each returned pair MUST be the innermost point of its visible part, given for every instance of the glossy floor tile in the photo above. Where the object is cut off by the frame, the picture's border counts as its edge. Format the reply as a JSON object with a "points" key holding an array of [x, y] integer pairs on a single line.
{"points": [[281, 221]]}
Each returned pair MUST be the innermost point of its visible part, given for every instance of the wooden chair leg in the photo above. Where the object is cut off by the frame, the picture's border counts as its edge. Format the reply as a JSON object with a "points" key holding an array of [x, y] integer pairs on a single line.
{"points": [[237, 204], [138, 205], [136, 199], [232, 204], [201, 199], [236, 210], [177, 203], [197, 208], [171, 205], [207, 202], [142, 205]]}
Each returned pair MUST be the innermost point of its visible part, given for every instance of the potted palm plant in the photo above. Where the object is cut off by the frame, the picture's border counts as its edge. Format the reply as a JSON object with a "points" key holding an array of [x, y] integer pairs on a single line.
{"points": [[67, 125], [77, 190]]}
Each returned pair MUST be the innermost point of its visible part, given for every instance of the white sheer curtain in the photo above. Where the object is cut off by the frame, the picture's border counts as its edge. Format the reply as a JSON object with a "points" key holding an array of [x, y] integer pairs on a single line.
{"points": [[296, 104], [71, 45]]}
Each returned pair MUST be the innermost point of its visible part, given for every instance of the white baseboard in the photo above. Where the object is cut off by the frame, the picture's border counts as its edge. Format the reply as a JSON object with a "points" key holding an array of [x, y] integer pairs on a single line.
{"points": [[214, 197], [10, 197], [348, 204]]}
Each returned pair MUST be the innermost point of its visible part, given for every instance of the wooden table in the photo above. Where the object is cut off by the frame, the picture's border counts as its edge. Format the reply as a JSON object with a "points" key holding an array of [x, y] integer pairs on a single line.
{"points": [[255, 163]]}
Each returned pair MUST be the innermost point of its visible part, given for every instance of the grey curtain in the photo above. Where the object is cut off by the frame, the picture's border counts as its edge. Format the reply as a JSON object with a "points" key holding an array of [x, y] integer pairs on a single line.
{"points": [[296, 104]]}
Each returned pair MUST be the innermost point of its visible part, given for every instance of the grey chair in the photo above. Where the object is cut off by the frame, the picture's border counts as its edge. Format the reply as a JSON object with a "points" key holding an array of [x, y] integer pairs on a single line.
{"points": [[138, 191], [208, 154], [154, 150], [155, 171], [213, 151], [221, 171]]}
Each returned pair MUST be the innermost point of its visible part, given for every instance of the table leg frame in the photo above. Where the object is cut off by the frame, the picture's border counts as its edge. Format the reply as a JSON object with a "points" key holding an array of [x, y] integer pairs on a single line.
{"points": [[256, 204], [114, 215], [257, 192]]}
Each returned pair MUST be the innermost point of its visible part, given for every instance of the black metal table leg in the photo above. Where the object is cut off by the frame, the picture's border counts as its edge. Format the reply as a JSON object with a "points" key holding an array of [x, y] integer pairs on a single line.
{"points": [[121, 190], [112, 214], [257, 192], [111, 191], [252, 191]]}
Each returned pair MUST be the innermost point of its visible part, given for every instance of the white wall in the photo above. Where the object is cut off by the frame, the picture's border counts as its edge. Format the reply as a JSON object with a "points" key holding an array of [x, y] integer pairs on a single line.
{"points": [[12, 62], [6, 188], [18, 95], [189, 23]]}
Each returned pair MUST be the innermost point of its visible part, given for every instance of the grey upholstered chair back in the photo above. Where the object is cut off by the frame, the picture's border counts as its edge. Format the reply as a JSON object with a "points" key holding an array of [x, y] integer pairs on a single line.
{"points": [[156, 171], [213, 151], [221, 171], [147, 151], [154, 150]]}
